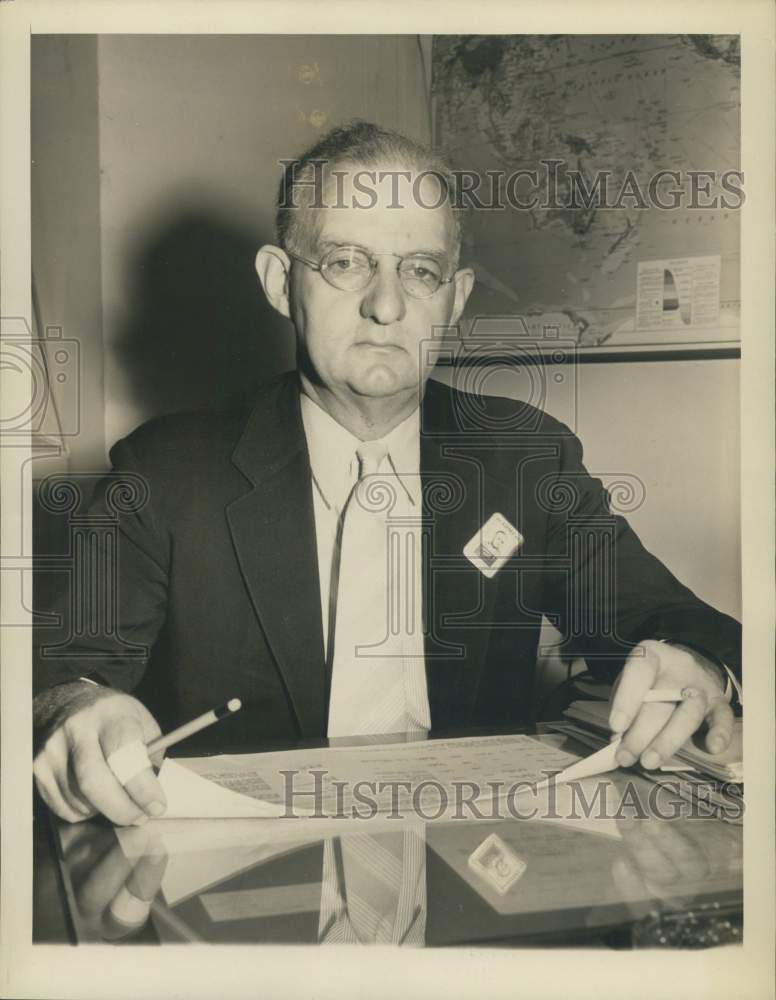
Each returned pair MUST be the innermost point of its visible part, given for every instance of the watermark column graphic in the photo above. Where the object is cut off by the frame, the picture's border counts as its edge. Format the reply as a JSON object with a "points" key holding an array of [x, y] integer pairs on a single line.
{"points": [[92, 561], [408, 505], [591, 552]]}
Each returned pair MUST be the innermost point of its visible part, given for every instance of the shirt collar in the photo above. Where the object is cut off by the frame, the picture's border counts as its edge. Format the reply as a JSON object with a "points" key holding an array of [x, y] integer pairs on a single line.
{"points": [[333, 460]]}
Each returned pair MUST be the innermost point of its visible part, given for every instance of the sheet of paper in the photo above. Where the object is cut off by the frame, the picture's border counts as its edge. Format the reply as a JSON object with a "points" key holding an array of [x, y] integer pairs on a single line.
{"points": [[600, 762], [682, 292], [353, 782], [189, 796]]}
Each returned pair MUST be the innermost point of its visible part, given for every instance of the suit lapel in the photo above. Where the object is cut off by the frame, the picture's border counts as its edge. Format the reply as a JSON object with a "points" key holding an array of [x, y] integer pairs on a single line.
{"points": [[273, 531]]}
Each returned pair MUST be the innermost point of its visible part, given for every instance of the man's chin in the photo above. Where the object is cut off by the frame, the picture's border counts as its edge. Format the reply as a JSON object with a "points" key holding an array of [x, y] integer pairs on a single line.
{"points": [[381, 381]]}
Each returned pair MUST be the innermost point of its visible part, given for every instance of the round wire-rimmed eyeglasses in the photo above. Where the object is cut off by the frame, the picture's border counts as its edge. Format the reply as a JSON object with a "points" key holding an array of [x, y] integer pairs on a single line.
{"points": [[350, 269]]}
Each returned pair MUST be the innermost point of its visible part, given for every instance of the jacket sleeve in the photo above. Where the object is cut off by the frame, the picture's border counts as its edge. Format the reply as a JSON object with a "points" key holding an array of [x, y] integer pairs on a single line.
{"points": [[606, 591], [109, 602]]}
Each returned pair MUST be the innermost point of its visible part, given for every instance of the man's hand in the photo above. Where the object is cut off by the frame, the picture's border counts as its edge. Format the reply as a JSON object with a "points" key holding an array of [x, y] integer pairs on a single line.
{"points": [[114, 884], [81, 725], [653, 732]]}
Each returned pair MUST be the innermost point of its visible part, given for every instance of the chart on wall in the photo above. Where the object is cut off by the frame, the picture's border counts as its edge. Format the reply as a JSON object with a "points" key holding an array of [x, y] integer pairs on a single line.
{"points": [[602, 180]]}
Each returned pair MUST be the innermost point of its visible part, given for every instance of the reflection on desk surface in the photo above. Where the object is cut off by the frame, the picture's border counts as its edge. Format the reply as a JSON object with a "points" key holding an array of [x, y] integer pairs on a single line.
{"points": [[566, 875]]}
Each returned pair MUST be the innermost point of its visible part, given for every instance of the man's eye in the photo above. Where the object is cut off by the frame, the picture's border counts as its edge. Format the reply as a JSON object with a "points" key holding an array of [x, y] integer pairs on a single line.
{"points": [[422, 270], [347, 264]]}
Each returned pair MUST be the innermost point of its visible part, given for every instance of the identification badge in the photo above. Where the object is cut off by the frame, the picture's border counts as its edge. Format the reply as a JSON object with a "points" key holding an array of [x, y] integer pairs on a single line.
{"points": [[493, 545], [496, 863]]}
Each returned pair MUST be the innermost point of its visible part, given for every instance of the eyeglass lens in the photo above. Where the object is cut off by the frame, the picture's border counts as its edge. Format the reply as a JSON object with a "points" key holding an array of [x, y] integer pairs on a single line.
{"points": [[351, 269]]}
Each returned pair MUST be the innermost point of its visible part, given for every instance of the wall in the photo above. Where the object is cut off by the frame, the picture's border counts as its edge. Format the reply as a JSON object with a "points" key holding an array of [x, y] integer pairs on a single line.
{"points": [[191, 132], [675, 425], [65, 230]]}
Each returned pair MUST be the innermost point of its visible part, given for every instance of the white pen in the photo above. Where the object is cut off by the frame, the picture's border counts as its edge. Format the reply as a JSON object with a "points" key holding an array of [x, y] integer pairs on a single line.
{"points": [[669, 694]]}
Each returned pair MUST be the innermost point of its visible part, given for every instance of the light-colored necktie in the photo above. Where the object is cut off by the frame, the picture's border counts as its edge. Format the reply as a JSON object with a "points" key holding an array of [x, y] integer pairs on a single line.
{"points": [[374, 889], [368, 684]]}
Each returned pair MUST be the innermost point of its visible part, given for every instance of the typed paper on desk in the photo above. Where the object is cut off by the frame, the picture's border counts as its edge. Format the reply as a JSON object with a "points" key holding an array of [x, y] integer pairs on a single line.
{"points": [[432, 779]]}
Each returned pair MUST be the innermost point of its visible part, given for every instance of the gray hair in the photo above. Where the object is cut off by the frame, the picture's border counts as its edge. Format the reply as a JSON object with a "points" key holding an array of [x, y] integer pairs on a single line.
{"points": [[363, 144]]}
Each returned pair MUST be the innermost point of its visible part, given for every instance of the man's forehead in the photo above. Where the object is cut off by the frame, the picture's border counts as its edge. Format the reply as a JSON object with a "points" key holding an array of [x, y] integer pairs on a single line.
{"points": [[383, 208]]}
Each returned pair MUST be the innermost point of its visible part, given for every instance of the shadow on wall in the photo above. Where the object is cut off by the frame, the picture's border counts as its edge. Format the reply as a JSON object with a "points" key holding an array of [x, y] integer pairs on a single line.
{"points": [[199, 331]]}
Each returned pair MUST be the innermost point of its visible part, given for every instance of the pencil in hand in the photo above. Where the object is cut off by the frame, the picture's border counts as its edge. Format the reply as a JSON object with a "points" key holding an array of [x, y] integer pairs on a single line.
{"points": [[189, 728]]}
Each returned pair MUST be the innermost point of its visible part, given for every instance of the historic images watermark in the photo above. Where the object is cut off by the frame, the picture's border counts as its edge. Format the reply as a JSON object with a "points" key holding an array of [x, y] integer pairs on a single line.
{"points": [[554, 185], [315, 794]]}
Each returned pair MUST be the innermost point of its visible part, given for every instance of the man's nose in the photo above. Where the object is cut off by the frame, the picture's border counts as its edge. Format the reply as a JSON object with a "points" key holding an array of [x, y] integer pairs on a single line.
{"points": [[383, 299]]}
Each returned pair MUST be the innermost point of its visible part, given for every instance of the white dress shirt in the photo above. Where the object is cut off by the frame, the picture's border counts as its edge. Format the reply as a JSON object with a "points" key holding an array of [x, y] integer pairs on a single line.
{"points": [[334, 465]]}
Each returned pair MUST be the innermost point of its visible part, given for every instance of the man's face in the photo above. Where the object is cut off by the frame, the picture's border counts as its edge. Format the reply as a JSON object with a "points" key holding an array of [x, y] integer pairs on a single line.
{"points": [[368, 343]]}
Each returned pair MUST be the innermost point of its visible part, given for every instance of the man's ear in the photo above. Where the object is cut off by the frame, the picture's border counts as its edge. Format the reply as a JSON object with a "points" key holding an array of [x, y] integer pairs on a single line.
{"points": [[463, 282], [273, 266]]}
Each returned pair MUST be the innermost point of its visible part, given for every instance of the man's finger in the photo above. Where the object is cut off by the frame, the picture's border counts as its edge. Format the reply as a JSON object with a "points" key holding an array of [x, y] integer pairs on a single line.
{"points": [[637, 677], [98, 785], [126, 913], [53, 761], [118, 734], [721, 723], [147, 875], [102, 881], [48, 790], [81, 849], [647, 724], [73, 795], [121, 744], [73, 799], [145, 789], [684, 720], [131, 906]]}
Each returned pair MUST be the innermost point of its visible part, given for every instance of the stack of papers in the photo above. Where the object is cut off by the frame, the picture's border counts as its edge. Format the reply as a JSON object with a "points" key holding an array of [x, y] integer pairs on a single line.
{"points": [[726, 766]]}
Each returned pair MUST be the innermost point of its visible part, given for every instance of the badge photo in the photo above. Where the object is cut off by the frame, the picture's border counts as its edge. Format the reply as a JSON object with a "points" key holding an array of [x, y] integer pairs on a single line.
{"points": [[496, 862], [493, 545]]}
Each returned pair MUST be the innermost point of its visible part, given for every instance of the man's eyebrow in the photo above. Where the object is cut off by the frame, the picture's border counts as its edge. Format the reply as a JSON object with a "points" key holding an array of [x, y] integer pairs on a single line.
{"points": [[423, 251]]}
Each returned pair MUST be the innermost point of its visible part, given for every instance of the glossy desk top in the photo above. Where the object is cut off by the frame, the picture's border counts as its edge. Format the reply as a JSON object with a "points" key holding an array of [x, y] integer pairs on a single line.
{"points": [[598, 872]]}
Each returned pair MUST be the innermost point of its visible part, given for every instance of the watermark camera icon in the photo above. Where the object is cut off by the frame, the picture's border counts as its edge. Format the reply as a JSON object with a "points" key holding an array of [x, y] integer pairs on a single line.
{"points": [[513, 357], [41, 382]]}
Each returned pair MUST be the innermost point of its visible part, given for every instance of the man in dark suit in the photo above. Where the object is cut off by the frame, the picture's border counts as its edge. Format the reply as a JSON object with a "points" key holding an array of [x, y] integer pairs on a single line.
{"points": [[253, 551]]}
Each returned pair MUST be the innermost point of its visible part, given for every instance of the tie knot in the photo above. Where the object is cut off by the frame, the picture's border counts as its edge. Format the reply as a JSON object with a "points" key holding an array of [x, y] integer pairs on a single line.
{"points": [[370, 455]]}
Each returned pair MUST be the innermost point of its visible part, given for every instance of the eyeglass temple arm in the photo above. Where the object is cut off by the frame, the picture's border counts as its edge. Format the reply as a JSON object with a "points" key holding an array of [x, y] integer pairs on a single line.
{"points": [[314, 264]]}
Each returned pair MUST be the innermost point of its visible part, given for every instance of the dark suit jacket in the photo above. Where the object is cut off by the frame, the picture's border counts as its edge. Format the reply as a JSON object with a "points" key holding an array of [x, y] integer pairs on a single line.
{"points": [[218, 589]]}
